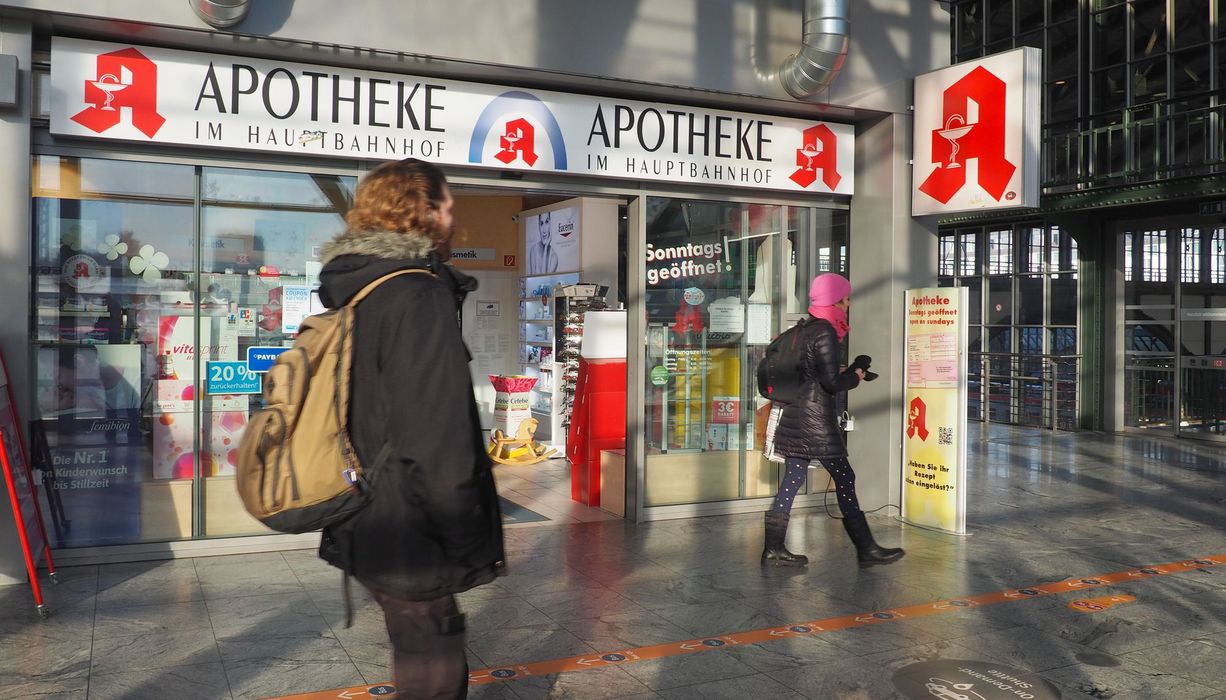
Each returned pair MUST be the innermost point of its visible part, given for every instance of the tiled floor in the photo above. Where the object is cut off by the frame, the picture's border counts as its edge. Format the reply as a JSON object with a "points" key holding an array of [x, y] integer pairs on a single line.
{"points": [[1043, 508], [545, 489]]}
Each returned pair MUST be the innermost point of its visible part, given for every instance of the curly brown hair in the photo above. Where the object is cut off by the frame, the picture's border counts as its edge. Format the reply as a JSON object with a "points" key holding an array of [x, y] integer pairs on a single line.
{"points": [[400, 196]]}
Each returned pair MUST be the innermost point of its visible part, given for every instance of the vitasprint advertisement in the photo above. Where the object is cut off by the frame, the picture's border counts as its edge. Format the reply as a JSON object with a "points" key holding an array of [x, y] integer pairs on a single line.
{"points": [[934, 437]]}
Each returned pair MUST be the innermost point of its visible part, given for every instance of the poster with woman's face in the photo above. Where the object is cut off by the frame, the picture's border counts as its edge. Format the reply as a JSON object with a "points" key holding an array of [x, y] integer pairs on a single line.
{"points": [[551, 242]]}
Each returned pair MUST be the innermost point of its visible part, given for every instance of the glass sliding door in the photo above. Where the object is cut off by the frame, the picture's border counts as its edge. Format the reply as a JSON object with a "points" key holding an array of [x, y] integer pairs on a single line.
{"points": [[1175, 328], [114, 247], [1023, 291], [1202, 333], [261, 233], [722, 279], [145, 275], [1149, 332]]}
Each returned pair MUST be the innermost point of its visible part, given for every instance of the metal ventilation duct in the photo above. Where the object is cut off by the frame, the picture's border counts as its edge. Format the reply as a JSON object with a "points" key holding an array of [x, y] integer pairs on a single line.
{"points": [[827, 31], [221, 14]]}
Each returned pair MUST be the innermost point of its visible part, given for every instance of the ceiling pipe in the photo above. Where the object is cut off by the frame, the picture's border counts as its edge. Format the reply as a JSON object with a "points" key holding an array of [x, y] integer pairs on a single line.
{"points": [[221, 14], [826, 34]]}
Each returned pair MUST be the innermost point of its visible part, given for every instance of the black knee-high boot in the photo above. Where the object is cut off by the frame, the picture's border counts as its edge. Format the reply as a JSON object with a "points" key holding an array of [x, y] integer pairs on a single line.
{"points": [[868, 552], [775, 552]]}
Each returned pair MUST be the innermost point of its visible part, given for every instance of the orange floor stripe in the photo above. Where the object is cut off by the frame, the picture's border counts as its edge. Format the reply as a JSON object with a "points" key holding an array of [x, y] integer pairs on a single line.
{"points": [[1093, 605], [694, 646]]}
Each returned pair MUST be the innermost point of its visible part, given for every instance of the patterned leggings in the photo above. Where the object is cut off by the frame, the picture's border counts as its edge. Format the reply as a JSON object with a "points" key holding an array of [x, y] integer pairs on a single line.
{"points": [[796, 469]]}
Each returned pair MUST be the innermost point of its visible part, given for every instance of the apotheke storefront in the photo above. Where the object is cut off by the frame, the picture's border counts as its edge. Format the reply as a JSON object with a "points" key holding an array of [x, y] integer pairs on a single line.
{"points": [[157, 261]]}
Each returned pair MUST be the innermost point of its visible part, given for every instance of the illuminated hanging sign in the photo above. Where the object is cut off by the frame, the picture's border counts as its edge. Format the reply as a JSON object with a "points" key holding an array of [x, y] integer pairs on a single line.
{"points": [[154, 95], [977, 131]]}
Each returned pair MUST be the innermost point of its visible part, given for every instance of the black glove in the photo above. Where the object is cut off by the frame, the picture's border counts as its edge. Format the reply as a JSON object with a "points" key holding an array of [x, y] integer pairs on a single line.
{"points": [[863, 362]]}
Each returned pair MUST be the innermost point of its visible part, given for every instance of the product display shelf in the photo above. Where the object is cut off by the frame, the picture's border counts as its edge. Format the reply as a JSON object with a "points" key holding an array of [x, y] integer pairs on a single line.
{"points": [[570, 305], [538, 347], [680, 411]]}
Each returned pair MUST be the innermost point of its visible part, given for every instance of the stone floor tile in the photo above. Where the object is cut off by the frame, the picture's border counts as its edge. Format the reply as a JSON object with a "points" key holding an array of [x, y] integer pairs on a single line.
{"points": [[255, 679], [152, 651], [196, 682]]}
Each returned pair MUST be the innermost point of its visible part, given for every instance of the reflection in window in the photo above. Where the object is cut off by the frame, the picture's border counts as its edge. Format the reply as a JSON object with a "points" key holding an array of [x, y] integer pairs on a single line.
{"points": [[1063, 307], [969, 262], [124, 323], [1149, 27], [1000, 301], [1153, 256], [1217, 257], [325, 192], [136, 178], [945, 264], [1030, 299], [1063, 250], [1000, 19], [974, 299], [969, 24], [1189, 257], [1128, 257], [1034, 249], [1191, 25], [1063, 341], [1000, 252], [708, 324], [1106, 37], [1149, 338], [1030, 341]]}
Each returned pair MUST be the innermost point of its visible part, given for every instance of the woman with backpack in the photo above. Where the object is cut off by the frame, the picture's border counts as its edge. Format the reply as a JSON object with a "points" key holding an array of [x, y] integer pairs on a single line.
{"points": [[808, 428], [433, 527]]}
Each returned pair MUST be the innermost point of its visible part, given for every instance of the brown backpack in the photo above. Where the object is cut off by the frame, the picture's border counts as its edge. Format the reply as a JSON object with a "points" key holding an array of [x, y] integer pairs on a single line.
{"points": [[297, 469]]}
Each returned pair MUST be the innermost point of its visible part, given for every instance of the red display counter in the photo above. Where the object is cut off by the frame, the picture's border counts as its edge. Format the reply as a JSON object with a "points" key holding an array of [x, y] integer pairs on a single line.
{"points": [[597, 423]]}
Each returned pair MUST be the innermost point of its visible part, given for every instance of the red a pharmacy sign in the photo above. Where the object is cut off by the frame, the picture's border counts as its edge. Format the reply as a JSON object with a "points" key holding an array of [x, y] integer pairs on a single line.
{"points": [[977, 130]]}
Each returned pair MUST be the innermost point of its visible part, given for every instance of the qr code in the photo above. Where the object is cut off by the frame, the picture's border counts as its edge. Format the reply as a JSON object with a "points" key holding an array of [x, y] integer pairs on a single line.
{"points": [[945, 436]]}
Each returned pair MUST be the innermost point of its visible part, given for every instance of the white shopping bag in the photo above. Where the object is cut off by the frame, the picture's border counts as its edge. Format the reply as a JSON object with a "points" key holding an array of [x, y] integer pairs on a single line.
{"points": [[772, 422]]}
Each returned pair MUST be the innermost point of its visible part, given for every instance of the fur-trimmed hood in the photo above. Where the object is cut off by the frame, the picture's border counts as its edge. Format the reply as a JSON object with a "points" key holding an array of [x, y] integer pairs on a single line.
{"points": [[356, 258], [388, 245]]}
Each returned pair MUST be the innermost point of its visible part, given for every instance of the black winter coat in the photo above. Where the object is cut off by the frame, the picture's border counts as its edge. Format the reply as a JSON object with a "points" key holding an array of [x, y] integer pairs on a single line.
{"points": [[433, 527], [809, 426]]}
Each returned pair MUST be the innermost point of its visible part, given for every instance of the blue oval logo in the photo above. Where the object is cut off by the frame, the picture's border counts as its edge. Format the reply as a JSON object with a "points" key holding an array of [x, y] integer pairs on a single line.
{"points": [[613, 657], [883, 616], [801, 629], [382, 690], [503, 673], [713, 642]]}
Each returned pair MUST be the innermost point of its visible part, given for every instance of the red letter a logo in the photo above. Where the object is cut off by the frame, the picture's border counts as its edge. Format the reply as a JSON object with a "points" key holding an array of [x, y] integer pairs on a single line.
{"points": [[125, 79], [518, 141], [819, 151], [959, 140]]}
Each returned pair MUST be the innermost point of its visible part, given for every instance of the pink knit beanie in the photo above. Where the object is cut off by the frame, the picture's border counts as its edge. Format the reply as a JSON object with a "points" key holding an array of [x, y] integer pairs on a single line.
{"points": [[828, 289]]}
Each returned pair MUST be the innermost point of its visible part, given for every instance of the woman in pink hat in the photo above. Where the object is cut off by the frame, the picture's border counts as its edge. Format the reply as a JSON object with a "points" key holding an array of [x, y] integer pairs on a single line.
{"points": [[808, 429]]}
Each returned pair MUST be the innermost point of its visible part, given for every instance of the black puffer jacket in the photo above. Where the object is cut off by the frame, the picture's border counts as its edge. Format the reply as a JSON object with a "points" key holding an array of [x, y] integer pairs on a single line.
{"points": [[433, 527], [809, 426]]}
